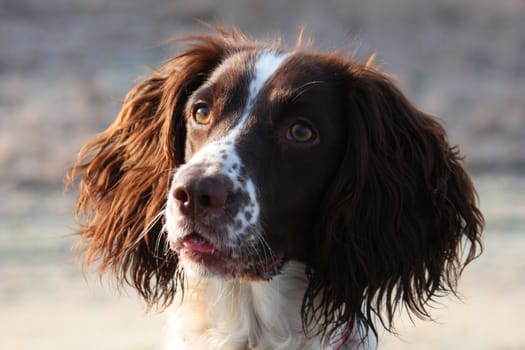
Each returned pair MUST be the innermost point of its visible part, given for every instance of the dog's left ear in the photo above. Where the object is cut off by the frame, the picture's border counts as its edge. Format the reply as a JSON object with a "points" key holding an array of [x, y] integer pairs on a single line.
{"points": [[400, 220], [123, 175]]}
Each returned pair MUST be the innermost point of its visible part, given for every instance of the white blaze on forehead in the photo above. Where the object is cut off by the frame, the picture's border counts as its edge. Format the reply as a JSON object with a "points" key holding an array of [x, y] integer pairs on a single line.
{"points": [[265, 66], [221, 157]]}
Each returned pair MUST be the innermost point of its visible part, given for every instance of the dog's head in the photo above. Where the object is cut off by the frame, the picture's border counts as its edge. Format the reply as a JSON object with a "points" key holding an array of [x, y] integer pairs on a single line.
{"points": [[264, 138], [242, 156]]}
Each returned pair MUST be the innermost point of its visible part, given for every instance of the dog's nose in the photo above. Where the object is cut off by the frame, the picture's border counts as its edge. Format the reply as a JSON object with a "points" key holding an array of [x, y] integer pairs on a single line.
{"points": [[199, 195]]}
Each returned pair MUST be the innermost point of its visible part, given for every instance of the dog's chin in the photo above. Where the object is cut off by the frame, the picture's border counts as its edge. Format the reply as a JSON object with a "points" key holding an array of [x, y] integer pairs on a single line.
{"points": [[201, 258]]}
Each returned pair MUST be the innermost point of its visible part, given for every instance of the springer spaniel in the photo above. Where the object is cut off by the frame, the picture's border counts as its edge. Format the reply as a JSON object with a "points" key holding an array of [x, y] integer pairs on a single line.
{"points": [[281, 199]]}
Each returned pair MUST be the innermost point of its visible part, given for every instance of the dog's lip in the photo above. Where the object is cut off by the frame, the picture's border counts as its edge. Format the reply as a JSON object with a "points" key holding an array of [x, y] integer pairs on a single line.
{"points": [[197, 243], [197, 248]]}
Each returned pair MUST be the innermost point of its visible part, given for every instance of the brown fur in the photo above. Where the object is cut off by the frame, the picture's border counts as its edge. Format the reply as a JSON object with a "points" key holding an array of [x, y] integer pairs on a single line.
{"points": [[396, 226]]}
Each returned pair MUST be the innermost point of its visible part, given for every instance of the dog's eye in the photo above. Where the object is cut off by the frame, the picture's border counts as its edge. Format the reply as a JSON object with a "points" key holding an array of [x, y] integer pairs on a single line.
{"points": [[202, 114], [301, 132]]}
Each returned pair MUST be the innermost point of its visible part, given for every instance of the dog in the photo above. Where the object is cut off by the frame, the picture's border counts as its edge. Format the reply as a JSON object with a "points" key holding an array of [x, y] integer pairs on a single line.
{"points": [[275, 198]]}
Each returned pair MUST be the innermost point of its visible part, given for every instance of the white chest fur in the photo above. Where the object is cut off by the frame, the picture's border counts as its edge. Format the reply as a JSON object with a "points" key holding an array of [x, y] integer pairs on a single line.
{"points": [[227, 315], [218, 314]]}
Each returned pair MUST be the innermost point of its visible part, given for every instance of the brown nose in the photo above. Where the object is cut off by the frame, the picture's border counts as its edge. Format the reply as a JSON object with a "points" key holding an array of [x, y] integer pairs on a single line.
{"points": [[199, 195]]}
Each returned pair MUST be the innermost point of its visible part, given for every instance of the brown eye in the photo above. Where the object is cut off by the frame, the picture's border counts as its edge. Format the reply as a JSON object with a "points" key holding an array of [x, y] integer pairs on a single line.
{"points": [[202, 114], [301, 132]]}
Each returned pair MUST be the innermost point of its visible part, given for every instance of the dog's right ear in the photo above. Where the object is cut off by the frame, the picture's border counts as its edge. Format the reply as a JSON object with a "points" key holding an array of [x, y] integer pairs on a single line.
{"points": [[123, 174]]}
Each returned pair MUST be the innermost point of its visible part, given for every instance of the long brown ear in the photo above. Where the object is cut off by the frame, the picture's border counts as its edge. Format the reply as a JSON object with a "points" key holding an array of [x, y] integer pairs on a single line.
{"points": [[400, 220], [123, 174]]}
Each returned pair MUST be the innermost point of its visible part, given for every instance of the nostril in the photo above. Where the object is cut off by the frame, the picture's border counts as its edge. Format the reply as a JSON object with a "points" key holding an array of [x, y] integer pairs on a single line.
{"points": [[212, 193], [205, 200], [181, 195]]}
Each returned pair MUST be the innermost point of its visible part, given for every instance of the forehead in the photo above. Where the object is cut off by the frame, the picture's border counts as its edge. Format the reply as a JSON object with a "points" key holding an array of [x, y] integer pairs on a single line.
{"points": [[256, 68], [247, 70]]}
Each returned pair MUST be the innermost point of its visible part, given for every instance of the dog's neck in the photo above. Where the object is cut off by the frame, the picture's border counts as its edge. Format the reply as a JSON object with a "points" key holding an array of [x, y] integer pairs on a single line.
{"points": [[219, 314]]}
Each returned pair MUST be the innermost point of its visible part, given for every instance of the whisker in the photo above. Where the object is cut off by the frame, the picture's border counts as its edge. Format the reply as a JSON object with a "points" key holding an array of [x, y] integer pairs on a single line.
{"points": [[304, 88], [147, 229]]}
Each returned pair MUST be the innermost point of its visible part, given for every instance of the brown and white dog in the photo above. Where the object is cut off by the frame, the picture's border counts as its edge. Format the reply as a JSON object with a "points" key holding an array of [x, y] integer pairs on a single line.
{"points": [[292, 199]]}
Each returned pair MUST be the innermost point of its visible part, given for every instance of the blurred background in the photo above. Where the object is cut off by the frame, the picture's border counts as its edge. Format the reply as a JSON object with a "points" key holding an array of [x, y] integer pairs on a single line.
{"points": [[65, 64]]}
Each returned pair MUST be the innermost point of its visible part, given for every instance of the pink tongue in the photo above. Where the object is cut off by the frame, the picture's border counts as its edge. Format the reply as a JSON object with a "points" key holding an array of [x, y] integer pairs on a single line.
{"points": [[197, 243]]}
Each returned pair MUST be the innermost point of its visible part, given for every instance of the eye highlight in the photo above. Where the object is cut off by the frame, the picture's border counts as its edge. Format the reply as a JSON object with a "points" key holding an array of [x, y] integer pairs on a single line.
{"points": [[201, 113], [301, 132]]}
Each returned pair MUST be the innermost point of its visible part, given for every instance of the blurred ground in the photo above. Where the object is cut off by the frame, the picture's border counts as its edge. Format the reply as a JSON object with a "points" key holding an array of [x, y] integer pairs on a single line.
{"points": [[65, 64]]}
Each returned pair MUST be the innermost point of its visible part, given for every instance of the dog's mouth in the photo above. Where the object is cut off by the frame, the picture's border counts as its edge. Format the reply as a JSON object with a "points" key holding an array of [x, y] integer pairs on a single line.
{"points": [[197, 243], [260, 264]]}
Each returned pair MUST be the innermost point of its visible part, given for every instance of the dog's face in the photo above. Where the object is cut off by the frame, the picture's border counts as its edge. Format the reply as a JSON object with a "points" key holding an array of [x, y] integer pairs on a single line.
{"points": [[263, 140]]}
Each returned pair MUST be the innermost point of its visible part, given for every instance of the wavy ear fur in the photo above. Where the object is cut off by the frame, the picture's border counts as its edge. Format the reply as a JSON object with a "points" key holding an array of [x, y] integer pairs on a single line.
{"points": [[123, 174], [400, 220]]}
